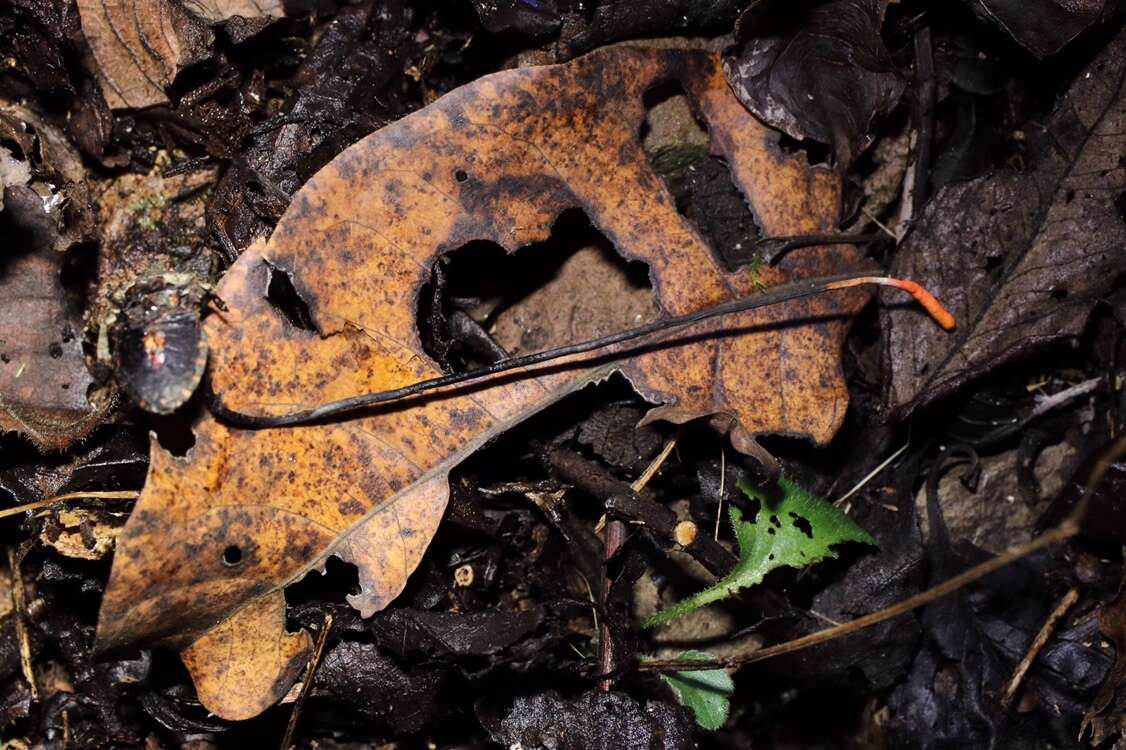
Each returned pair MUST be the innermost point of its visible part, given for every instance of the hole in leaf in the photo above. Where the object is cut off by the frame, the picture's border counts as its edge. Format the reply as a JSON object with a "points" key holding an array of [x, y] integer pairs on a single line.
{"points": [[483, 303], [461, 175], [1059, 294], [338, 580], [174, 431], [232, 556], [815, 153], [803, 525], [675, 141], [284, 297]]}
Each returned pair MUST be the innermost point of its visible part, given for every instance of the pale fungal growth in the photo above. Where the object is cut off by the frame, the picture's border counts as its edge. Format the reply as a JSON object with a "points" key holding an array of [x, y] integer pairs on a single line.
{"points": [[685, 533], [464, 575]]}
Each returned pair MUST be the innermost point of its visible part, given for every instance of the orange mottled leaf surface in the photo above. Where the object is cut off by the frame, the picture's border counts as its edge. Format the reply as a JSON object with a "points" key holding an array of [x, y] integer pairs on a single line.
{"points": [[218, 533]]}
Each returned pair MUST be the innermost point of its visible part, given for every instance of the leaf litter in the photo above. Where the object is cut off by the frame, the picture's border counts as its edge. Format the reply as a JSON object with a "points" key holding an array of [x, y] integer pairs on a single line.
{"points": [[521, 621], [383, 521]]}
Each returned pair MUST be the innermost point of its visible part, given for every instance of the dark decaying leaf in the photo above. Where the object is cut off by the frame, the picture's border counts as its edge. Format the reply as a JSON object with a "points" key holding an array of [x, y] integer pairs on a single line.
{"points": [[371, 684], [613, 434], [593, 721], [117, 459], [612, 20], [584, 26], [532, 17], [973, 641], [345, 88], [815, 70], [469, 633], [1044, 27], [33, 41], [1019, 256]]}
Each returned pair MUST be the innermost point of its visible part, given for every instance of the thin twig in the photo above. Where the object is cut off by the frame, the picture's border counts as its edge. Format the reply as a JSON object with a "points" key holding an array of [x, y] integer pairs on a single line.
{"points": [[654, 466], [20, 606], [95, 495], [773, 296], [1038, 644], [307, 686], [722, 487], [871, 475], [1067, 528]]}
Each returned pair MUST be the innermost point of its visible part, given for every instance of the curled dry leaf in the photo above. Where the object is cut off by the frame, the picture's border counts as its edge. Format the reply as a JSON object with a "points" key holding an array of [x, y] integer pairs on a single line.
{"points": [[817, 71], [217, 534], [139, 46], [1019, 256]]}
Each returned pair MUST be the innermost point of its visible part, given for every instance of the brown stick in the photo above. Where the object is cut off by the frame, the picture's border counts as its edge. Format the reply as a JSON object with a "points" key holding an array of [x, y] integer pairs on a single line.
{"points": [[20, 606], [307, 686], [96, 495], [1038, 644], [622, 499], [614, 536]]}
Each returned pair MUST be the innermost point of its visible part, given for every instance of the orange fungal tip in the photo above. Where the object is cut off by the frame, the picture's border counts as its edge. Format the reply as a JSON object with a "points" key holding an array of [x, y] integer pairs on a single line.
{"points": [[929, 302]]}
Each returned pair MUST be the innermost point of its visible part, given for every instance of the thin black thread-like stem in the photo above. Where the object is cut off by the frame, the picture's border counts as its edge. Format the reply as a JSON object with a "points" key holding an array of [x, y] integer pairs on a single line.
{"points": [[773, 248], [773, 296]]}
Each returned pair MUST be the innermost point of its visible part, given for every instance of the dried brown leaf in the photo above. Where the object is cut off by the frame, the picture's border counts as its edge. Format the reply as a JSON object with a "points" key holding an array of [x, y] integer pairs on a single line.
{"points": [[1020, 257], [44, 382], [140, 46], [219, 533], [43, 375], [221, 10]]}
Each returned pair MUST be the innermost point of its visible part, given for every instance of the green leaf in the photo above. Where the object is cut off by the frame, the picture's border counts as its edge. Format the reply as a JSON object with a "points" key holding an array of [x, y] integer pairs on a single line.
{"points": [[797, 530], [706, 692]]}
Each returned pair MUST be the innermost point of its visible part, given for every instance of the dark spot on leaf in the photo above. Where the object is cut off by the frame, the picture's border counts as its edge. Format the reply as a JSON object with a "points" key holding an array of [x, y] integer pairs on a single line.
{"points": [[232, 556]]}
